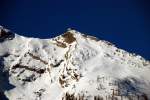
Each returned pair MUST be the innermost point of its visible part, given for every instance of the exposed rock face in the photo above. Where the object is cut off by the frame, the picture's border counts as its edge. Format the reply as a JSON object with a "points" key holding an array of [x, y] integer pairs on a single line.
{"points": [[72, 66], [5, 34], [68, 37]]}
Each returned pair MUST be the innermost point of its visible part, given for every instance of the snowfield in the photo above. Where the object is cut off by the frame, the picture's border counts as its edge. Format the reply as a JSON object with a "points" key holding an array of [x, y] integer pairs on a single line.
{"points": [[72, 66]]}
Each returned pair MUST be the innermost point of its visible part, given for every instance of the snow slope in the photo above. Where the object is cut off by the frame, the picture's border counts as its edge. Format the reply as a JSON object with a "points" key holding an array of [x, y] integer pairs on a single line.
{"points": [[72, 66]]}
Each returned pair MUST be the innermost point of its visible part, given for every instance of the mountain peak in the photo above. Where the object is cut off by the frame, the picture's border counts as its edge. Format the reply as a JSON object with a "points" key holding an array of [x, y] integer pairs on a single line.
{"points": [[73, 31]]}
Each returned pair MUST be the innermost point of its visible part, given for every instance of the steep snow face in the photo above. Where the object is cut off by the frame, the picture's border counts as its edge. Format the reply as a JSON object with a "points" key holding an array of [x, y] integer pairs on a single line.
{"points": [[72, 66]]}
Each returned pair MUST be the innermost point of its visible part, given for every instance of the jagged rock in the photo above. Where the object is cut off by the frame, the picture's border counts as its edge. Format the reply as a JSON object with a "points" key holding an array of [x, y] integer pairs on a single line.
{"points": [[5, 34]]}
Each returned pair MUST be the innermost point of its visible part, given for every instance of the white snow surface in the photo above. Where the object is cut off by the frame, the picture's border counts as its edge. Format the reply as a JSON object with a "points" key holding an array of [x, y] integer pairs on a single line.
{"points": [[47, 69]]}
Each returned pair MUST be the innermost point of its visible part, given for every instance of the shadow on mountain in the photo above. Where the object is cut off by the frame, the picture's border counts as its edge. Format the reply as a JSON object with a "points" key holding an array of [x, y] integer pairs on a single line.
{"points": [[130, 86], [4, 81]]}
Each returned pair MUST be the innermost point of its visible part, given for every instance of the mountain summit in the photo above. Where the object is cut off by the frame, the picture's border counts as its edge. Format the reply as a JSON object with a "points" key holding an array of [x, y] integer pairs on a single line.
{"points": [[72, 66]]}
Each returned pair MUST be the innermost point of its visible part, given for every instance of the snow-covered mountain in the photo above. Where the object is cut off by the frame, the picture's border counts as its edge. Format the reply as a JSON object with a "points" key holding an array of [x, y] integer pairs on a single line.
{"points": [[72, 66]]}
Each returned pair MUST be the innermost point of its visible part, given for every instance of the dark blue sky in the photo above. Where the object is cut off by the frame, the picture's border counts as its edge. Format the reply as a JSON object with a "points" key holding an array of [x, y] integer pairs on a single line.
{"points": [[122, 22]]}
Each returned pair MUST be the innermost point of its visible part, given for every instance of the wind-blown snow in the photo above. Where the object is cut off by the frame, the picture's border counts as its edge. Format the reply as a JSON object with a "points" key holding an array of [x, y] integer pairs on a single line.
{"points": [[72, 66]]}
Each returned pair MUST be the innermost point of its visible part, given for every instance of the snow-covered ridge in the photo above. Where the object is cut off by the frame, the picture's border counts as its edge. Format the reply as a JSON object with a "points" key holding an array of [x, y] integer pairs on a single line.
{"points": [[72, 66]]}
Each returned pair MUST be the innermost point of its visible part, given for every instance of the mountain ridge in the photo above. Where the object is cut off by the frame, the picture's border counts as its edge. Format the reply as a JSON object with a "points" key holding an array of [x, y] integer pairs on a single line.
{"points": [[35, 67]]}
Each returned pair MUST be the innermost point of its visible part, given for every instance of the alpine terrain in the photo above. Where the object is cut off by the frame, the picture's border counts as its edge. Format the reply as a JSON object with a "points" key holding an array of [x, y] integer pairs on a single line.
{"points": [[72, 66]]}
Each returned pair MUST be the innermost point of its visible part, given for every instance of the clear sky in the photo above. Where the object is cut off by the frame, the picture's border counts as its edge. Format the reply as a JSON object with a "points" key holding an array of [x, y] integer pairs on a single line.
{"points": [[125, 23]]}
